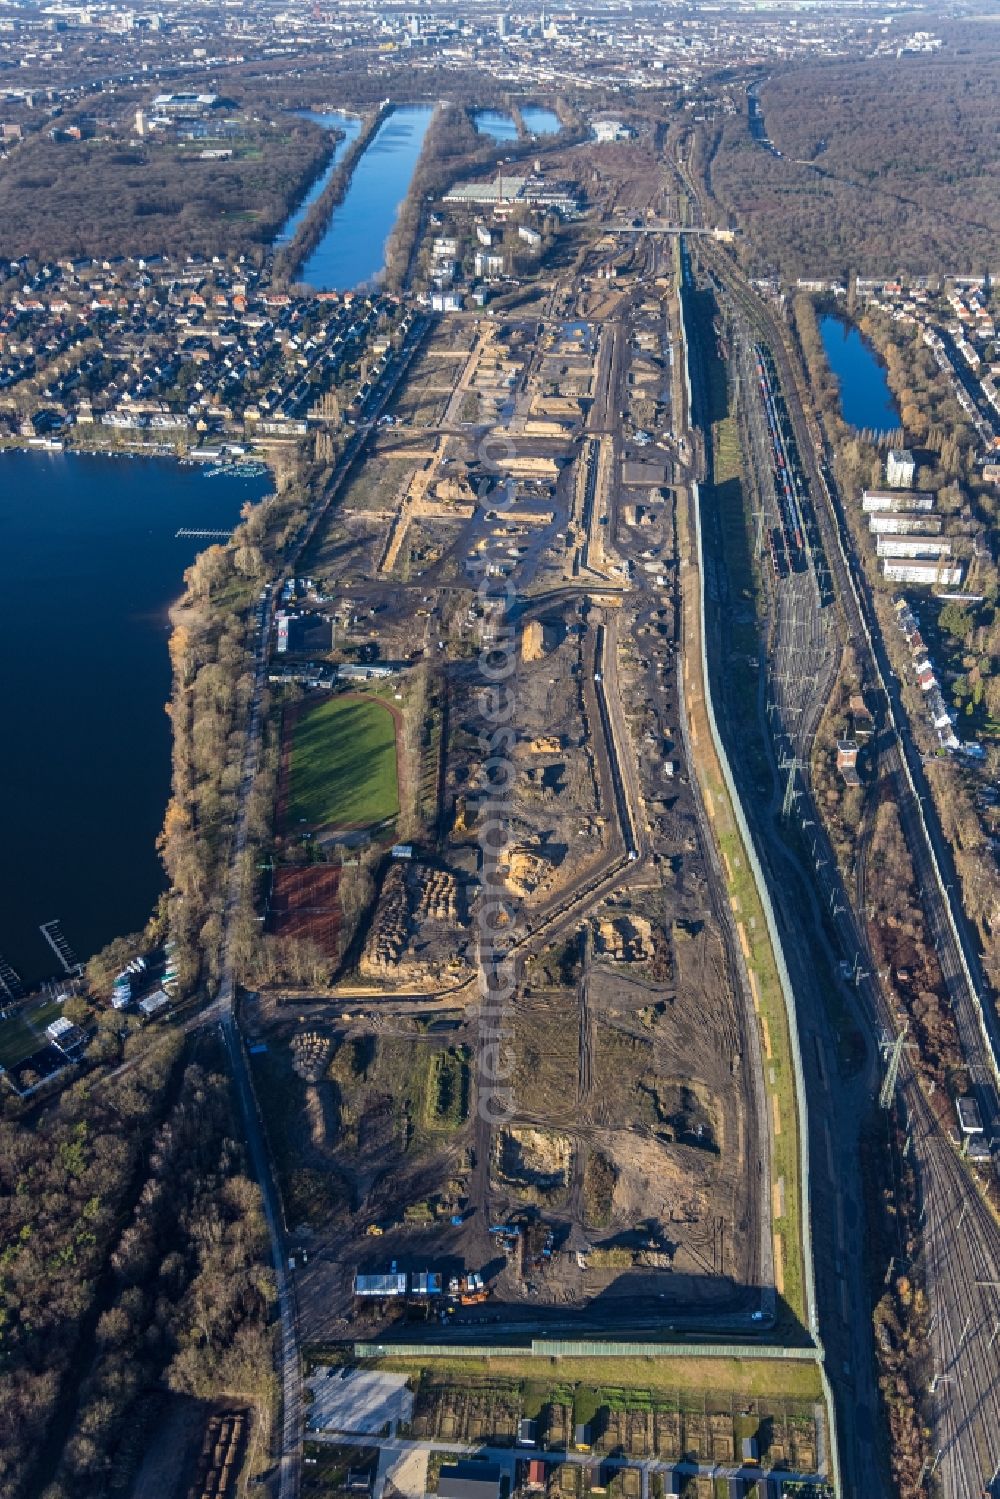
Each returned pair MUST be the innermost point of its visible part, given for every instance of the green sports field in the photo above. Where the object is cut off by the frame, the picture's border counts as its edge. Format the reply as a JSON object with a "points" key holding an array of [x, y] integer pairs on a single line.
{"points": [[24, 1032], [342, 769]]}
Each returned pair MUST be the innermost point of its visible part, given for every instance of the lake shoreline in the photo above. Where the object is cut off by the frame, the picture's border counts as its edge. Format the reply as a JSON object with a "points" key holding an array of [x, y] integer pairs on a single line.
{"points": [[292, 255], [339, 124], [92, 576], [866, 401]]}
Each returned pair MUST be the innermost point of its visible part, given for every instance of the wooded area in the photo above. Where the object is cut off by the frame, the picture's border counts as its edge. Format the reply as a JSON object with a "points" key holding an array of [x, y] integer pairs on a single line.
{"points": [[212, 685], [134, 1252], [886, 165], [116, 197]]}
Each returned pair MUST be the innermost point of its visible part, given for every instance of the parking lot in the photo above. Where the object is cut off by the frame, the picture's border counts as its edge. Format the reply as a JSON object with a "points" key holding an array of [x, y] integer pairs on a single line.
{"points": [[363, 1403]]}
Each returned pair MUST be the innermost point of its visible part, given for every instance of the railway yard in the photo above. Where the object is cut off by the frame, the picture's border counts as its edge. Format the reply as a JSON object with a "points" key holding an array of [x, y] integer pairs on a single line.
{"points": [[955, 1257]]}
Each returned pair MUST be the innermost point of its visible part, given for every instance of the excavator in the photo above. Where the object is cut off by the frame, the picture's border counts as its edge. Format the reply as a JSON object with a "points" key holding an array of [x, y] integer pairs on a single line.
{"points": [[469, 1290]]}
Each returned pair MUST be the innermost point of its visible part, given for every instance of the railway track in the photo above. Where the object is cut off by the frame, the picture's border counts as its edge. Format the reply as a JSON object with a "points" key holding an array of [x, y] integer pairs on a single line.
{"points": [[922, 830], [802, 659], [962, 971], [967, 1422], [961, 1251], [835, 1201]]}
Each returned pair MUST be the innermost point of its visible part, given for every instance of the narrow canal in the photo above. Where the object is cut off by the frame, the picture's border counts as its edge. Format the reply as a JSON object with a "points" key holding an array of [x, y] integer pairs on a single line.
{"points": [[350, 126], [865, 398], [88, 570], [351, 252]]}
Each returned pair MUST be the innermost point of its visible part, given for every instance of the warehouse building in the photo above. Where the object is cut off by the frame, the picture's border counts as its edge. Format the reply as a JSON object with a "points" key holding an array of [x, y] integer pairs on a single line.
{"points": [[389, 1283], [503, 191]]}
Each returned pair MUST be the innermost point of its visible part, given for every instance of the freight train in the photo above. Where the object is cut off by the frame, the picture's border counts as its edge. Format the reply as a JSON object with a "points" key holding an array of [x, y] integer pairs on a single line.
{"points": [[786, 543]]}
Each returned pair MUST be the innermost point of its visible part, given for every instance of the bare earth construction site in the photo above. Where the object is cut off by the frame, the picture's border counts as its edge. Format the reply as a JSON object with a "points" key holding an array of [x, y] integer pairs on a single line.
{"points": [[628, 1187]]}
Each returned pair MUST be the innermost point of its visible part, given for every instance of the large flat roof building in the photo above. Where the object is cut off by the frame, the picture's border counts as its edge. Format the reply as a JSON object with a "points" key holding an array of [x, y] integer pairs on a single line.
{"points": [[913, 546], [970, 1121], [469, 1480], [503, 191], [900, 523], [387, 1283]]}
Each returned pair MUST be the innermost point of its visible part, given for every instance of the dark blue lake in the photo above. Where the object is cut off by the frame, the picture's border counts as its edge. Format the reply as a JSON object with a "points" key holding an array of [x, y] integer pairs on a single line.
{"points": [[865, 397], [352, 250], [88, 569]]}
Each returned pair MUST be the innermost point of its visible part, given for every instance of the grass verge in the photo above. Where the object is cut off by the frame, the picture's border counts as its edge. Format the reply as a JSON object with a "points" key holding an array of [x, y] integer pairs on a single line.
{"points": [[792, 1379], [759, 958]]}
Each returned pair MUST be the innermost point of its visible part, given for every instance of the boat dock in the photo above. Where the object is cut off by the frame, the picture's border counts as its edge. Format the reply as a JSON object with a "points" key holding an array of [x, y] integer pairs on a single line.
{"points": [[185, 532], [11, 986], [53, 934]]}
